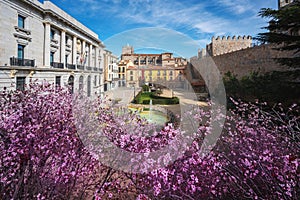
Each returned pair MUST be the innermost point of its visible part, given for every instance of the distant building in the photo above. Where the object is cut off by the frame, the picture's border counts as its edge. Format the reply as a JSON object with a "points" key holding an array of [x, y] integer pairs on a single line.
{"points": [[111, 77], [150, 68], [122, 66], [39, 41], [127, 49]]}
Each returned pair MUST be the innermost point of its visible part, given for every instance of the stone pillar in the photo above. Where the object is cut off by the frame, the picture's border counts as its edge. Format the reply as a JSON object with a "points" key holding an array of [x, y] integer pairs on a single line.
{"points": [[47, 44], [91, 56], [83, 52], [97, 57], [74, 51], [63, 47]]}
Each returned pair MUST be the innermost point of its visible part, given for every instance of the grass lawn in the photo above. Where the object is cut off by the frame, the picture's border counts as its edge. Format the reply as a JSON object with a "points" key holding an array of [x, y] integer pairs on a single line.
{"points": [[145, 97]]}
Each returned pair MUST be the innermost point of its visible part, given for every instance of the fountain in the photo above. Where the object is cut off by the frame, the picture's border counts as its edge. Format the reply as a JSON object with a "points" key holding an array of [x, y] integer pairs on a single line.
{"points": [[151, 115]]}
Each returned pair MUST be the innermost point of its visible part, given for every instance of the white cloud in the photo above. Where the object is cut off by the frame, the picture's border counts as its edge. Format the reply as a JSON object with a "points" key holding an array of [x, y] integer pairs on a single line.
{"points": [[201, 18], [237, 6]]}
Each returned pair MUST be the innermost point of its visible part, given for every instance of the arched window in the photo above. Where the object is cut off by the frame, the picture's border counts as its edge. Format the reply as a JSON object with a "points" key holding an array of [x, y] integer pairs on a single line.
{"points": [[89, 86], [71, 83], [80, 83]]}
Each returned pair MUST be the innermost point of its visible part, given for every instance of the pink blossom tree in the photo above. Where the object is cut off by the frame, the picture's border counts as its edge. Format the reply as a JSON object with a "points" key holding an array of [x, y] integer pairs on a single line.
{"points": [[48, 151], [257, 157], [41, 156]]}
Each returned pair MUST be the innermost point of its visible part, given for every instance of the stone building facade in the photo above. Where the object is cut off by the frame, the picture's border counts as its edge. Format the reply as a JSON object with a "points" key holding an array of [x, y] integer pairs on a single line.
{"points": [[111, 78], [39, 41], [151, 68]]}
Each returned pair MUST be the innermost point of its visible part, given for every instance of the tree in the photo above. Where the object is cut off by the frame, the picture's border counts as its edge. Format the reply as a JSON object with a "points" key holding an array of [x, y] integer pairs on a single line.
{"points": [[284, 31], [45, 154], [41, 156]]}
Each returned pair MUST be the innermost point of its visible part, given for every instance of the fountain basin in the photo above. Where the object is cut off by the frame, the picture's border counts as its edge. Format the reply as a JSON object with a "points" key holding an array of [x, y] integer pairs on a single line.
{"points": [[152, 116]]}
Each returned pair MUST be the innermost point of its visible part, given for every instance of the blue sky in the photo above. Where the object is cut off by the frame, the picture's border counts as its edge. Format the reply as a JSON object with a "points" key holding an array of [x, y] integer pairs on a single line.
{"points": [[179, 26]]}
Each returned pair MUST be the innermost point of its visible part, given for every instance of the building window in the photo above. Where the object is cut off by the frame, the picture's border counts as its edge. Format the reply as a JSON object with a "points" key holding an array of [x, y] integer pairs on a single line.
{"points": [[57, 80], [71, 83], [21, 21], [21, 51], [131, 72], [80, 83], [66, 40], [89, 86], [66, 60], [95, 80], [52, 34], [51, 58], [20, 83], [131, 78]]}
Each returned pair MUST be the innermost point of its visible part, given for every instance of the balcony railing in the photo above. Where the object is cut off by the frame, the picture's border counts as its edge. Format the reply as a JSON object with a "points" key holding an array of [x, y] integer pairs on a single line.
{"points": [[101, 70], [71, 66], [21, 62], [81, 67], [57, 65], [95, 69], [88, 68]]}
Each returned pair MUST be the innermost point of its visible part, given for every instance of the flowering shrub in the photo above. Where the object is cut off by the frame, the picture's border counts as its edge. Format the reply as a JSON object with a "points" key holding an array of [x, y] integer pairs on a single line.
{"points": [[41, 156], [257, 157], [44, 154]]}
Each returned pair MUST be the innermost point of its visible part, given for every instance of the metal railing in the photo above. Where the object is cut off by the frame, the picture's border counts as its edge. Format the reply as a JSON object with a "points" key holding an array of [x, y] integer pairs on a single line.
{"points": [[57, 65], [21, 62], [81, 67], [71, 66]]}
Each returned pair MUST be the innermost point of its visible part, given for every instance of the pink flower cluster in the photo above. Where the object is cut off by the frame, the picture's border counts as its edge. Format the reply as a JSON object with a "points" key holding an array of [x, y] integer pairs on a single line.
{"points": [[44, 154]]}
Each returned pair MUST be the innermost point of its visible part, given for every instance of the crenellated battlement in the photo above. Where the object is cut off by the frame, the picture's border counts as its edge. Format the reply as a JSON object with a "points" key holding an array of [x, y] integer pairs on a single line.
{"points": [[222, 45], [233, 38]]}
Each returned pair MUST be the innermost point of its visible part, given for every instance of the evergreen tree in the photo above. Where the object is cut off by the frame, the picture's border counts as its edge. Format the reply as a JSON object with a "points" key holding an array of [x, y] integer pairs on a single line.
{"points": [[284, 31]]}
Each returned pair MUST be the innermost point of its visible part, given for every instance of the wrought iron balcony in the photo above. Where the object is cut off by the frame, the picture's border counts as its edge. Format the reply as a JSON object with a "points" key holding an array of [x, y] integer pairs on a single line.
{"points": [[88, 68], [57, 65], [95, 69], [101, 70], [21, 62], [71, 66], [81, 67]]}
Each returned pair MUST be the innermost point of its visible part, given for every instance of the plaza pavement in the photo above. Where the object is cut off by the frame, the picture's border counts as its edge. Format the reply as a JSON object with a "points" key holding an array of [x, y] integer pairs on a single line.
{"points": [[126, 95], [123, 93]]}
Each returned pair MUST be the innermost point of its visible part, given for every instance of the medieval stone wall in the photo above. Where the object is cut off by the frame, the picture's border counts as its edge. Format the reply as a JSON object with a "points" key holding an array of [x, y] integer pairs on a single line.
{"points": [[224, 45], [255, 59]]}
